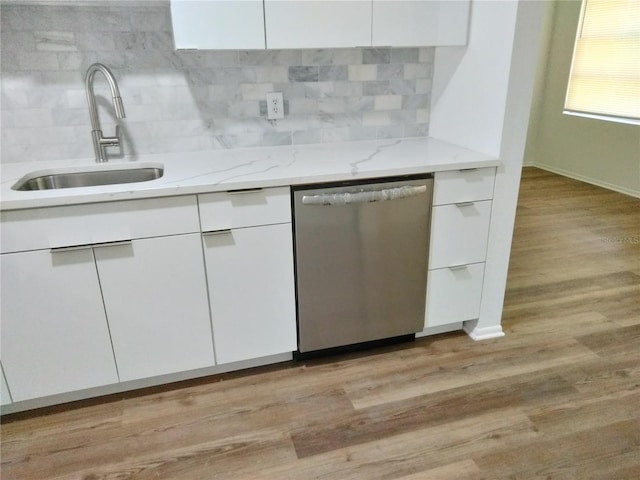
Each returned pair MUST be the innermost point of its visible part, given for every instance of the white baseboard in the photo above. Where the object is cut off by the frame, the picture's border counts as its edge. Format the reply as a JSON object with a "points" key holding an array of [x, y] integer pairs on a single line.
{"points": [[583, 178], [482, 333]]}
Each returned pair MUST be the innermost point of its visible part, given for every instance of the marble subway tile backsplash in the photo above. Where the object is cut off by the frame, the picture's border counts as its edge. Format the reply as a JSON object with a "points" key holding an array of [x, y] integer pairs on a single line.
{"points": [[190, 100]]}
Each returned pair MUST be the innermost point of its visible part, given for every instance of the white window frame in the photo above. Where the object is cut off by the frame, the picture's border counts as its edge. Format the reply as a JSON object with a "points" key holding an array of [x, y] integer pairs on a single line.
{"points": [[607, 116]]}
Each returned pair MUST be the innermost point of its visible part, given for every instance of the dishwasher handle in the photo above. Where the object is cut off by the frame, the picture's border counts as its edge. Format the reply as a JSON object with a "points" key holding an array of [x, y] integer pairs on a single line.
{"points": [[346, 198]]}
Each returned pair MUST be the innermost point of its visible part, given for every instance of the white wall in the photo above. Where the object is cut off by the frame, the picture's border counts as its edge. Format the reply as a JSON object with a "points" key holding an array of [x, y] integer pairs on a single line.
{"points": [[539, 83], [470, 83], [481, 100], [596, 151]]}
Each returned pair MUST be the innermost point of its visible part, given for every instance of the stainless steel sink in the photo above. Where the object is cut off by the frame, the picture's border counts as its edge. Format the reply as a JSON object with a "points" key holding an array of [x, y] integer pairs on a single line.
{"points": [[90, 178]]}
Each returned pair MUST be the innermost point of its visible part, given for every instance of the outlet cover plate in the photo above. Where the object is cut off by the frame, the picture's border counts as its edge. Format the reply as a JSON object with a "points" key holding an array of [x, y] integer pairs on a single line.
{"points": [[275, 106]]}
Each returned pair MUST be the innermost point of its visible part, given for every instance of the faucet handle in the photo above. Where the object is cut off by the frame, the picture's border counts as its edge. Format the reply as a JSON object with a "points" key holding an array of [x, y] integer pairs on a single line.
{"points": [[110, 141]]}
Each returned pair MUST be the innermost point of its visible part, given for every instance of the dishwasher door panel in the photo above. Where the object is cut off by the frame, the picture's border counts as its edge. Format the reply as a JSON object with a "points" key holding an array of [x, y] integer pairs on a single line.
{"points": [[361, 267]]}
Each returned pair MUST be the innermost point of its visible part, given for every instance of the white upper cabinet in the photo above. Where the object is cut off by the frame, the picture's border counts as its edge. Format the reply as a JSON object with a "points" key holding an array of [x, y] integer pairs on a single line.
{"points": [[318, 24], [404, 23], [285, 24], [218, 24]]}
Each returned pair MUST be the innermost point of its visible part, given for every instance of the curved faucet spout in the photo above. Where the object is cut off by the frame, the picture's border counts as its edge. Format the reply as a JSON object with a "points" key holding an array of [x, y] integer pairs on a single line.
{"points": [[101, 143]]}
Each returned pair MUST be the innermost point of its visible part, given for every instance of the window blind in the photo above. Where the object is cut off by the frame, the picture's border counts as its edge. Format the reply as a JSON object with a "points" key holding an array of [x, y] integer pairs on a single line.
{"points": [[605, 72]]}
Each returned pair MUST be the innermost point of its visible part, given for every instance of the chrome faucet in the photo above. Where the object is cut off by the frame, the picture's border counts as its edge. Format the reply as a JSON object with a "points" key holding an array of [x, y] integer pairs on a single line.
{"points": [[101, 143]]}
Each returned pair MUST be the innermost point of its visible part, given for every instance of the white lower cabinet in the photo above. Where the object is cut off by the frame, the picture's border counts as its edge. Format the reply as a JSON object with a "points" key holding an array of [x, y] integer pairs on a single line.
{"points": [[251, 290], [155, 297], [460, 222], [55, 337], [453, 294], [93, 295]]}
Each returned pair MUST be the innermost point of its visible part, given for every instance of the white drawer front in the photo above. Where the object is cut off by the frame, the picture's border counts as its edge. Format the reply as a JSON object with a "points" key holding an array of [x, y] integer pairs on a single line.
{"points": [[453, 295], [463, 185], [52, 227], [244, 208], [459, 234]]}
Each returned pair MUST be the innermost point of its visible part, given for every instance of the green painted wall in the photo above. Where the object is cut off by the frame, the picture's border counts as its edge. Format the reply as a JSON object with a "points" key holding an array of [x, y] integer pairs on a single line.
{"points": [[596, 151]]}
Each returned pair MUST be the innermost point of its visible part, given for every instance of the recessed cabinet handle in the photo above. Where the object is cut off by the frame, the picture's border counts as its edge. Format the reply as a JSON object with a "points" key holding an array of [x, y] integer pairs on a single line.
{"points": [[216, 232], [467, 169], [71, 248], [244, 190], [464, 204], [113, 244], [457, 267]]}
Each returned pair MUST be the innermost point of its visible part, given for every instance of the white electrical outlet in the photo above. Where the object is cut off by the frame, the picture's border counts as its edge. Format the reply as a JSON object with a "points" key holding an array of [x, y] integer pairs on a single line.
{"points": [[275, 106]]}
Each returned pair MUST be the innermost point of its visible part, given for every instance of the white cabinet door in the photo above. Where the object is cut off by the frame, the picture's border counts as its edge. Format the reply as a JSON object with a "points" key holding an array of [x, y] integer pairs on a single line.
{"points": [[318, 24], [5, 396], [156, 301], [251, 289], [218, 24], [398, 23], [453, 294], [55, 337]]}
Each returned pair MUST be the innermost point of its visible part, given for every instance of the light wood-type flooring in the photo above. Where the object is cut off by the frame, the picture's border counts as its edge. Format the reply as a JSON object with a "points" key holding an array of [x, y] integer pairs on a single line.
{"points": [[557, 398]]}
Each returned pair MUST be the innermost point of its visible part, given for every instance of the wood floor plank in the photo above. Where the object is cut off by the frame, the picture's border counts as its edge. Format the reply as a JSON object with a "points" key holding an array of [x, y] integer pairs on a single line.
{"points": [[229, 421], [463, 470], [274, 408], [509, 359], [552, 294], [416, 452], [596, 378], [624, 309], [399, 417], [586, 414], [559, 234], [229, 395], [575, 316], [539, 323], [625, 466], [94, 415], [205, 460], [623, 341], [183, 430], [565, 456]]}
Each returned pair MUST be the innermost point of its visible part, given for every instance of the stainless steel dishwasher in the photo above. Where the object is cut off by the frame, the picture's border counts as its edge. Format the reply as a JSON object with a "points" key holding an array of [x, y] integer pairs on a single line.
{"points": [[361, 253]]}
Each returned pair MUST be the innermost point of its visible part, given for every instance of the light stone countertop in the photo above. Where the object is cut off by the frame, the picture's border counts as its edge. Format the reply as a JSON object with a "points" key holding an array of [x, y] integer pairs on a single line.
{"points": [[220, 170]]}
